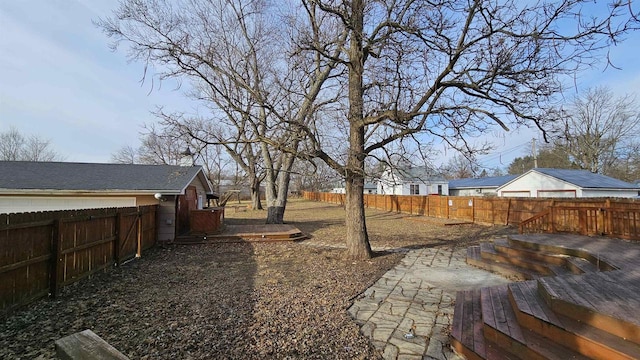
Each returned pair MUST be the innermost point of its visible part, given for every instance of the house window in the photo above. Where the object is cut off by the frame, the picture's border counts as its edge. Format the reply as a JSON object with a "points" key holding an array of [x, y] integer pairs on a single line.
{"points": [[439, 189], [414, 189]]}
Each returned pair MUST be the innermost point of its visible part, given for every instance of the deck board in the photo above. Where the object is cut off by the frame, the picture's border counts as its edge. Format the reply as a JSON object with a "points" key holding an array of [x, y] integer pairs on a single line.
{"points": [[538, 306], [478, 336], [512, 322]]}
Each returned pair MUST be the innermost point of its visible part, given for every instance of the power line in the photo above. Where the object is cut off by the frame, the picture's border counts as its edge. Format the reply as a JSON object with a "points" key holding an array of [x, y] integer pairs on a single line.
{"points": [[499, 155]]}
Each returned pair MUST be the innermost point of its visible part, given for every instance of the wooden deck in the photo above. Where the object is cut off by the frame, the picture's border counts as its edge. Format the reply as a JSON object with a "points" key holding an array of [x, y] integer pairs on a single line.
{"points": [[251, 233], [580, 300]]}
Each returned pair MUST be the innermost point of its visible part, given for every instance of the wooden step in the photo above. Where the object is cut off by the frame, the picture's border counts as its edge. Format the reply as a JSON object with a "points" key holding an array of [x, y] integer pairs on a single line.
{"points": [[579, 265], [467, 338], [501, 327], [534, 314], [504, 246], [558, 249], [609, 306], [489, 252], [466, 331], [509, 271]]}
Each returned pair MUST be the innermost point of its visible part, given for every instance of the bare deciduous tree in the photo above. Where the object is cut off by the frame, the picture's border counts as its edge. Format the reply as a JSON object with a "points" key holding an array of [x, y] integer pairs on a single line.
{"points": [[599, 128], [451, 70], [392, 70], [460, 167], [14, 146], [237, 57]]}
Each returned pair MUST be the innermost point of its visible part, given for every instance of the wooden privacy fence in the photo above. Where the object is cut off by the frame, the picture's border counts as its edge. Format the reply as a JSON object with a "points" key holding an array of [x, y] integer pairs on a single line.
{"points": [[44, 251], [606, 221], [602, 216]]}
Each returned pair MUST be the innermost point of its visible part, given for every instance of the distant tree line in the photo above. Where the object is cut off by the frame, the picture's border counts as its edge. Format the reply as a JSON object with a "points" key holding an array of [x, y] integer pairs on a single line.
{"points": [[15, 146]]}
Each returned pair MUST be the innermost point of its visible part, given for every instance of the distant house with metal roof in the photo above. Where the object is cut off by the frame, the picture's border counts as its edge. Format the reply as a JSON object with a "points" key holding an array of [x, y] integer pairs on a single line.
{"points": [[485, 186], [412, 181], [544, 182], [49, 186]]}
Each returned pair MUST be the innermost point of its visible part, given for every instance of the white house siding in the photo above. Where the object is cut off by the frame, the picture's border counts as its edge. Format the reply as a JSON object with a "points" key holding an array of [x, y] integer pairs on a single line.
{"points": [[609, 193], [405, 189], [514, 193], [19, 204], [472, 192], [534, 183]]}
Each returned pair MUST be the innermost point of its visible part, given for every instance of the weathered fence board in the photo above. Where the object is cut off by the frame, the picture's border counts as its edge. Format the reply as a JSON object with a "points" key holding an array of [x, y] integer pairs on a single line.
{"points": [[41, 252]]}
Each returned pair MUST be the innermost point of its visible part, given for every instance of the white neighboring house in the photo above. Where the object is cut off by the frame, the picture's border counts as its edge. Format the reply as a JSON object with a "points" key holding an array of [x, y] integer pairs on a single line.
{"points": [[369, 188], [412, 181], [478, 187], [27, 186], [566, 183]]}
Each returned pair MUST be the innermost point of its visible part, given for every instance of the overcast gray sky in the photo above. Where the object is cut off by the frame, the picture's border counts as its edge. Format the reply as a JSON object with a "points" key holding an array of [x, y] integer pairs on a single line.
{"points": [[60, 81]]}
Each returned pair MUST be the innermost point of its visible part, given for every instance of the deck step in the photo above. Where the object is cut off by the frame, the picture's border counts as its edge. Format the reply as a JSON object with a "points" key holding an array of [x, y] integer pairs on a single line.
{"points": [[580, 265], [467, 338], [488, 252], [597, 300], [552, 248], [534, 314], [509, 271], [509, 248], [502, 327]]}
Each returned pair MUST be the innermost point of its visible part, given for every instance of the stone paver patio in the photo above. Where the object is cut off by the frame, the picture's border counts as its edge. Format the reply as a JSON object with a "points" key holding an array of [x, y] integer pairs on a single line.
{"points": [[407, 313]]}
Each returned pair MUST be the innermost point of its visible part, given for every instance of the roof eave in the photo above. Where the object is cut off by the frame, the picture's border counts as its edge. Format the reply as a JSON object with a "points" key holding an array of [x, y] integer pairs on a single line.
{"points": [[114, 192]]}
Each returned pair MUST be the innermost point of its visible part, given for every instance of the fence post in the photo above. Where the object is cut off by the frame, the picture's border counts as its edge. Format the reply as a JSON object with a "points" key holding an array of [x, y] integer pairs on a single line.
{"points": [[552, 220], [447, 201], [56, 258], [118, 242], [607, 219], [139, 245]]}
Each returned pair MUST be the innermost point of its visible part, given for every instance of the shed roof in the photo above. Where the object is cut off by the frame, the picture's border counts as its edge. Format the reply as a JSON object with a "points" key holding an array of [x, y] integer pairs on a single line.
{"points": [[95, 177], [584, 178], [486, 182]]}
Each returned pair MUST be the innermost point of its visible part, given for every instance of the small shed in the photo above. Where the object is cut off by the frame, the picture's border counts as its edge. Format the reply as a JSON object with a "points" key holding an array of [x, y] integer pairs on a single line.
{"points": [[478, 186], [49, 186], [566, 183], [412, 181]]}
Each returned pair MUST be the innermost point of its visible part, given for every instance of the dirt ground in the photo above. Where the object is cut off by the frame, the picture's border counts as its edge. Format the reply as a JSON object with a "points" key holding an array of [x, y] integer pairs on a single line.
{"points": [[235, 300]]}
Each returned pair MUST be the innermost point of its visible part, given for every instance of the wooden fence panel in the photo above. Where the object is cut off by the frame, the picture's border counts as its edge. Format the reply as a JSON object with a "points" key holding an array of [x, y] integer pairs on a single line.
{"points": [[623, 222], [41, 252], [460, 208], [611, 217], [87, 246], [128, 235], [25, 254], [438, 207]]}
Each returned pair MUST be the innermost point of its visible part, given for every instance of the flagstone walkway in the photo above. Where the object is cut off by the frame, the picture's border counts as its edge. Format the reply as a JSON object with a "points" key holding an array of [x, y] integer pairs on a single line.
{"points": [[407, 313]]}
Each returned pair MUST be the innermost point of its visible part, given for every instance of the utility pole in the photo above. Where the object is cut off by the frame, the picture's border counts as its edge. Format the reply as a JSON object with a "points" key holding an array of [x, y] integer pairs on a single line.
{"points": [[535, 153]]}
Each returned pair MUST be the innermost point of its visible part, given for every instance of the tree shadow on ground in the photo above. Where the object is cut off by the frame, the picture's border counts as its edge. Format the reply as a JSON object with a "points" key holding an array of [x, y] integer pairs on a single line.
{"points": [[176, 302]]}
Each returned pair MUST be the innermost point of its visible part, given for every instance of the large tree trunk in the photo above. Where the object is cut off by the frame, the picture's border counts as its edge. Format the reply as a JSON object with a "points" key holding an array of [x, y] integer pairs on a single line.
{"points": [[358, 246], [357, 239], [278, 205], [256, 204]]}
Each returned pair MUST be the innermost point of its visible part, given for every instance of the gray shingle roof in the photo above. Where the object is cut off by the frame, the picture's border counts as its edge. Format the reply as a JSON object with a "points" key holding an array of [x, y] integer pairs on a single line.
{"points": [[586, 179], [485, 182], [24, 175]]}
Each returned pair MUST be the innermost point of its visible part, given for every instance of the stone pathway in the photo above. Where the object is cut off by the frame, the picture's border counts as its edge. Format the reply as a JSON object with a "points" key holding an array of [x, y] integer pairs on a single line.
{"points": [[407, 313]]}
